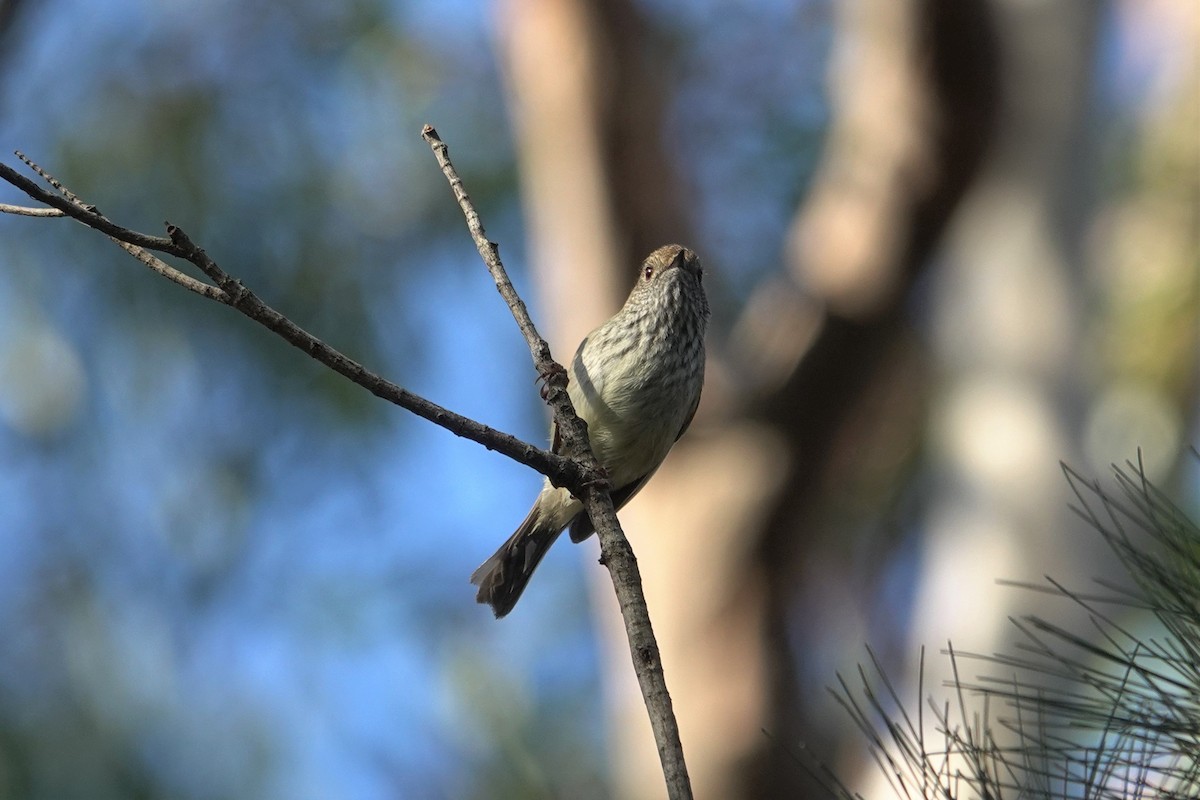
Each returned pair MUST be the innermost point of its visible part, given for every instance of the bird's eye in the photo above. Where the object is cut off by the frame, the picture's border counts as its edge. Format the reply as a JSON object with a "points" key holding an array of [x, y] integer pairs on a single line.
{"points": [[648, 272]]}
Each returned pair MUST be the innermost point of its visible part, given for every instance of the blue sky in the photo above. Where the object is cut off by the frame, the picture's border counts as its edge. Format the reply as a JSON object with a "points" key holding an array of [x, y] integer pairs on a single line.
{"points": [[230, 569]]}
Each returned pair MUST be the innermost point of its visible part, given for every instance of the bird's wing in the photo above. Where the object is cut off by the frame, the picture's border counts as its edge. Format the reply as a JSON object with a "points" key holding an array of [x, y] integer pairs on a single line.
{"points": [[688, 420], [581, 526]]}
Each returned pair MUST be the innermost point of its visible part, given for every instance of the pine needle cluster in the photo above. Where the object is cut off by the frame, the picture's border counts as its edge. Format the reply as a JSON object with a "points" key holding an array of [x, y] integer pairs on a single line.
{"points": [[1110, 711]]}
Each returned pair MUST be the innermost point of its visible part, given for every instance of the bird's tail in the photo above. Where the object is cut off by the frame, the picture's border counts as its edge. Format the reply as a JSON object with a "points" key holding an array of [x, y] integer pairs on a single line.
{"points": [[503, 577]]}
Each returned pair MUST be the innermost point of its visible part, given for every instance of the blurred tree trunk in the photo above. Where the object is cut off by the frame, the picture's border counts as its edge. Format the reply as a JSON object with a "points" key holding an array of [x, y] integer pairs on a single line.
{"points": [[1008, 331], [915, 95], [745, 527]]}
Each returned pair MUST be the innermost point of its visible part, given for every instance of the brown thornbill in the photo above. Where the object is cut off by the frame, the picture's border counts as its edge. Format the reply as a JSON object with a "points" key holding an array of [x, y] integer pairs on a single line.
{"points": [[636, 381]]}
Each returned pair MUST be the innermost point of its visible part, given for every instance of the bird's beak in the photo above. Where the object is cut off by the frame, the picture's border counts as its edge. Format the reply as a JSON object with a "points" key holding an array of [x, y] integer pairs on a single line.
{"points": [[679, 260]]}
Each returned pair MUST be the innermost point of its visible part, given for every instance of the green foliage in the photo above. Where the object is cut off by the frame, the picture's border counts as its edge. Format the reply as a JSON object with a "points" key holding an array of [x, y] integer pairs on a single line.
{"points": [[1110, 713]]}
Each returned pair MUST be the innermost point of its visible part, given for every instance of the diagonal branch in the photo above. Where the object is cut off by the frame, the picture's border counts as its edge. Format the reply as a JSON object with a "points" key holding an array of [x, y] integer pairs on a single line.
{"points": [[229, 291], [572, 429], [616, 554]]}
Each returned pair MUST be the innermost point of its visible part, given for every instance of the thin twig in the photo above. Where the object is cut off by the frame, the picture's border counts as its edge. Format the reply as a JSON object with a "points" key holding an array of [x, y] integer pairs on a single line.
{"points": [[53, 181], [229, 291], [170, 273], [26, 211], [490, 253], [616, 553], [87, 214]]}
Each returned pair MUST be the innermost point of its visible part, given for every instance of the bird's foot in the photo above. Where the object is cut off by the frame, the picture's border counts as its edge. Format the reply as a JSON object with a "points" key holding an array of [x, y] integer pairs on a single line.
{"points": [[552, 375], [599, 479]]}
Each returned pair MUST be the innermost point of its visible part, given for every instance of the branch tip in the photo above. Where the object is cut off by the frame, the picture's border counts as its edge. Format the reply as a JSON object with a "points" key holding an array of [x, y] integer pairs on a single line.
{"points": [[178, 237], [41, 172]]}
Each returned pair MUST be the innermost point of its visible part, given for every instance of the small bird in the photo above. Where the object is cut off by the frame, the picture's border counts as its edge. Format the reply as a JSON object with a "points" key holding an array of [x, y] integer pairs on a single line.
{"points": [[636, 382]]}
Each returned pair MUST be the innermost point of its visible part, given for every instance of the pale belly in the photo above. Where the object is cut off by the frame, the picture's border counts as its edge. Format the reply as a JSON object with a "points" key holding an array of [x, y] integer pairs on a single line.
{"points": [[631, 426]]}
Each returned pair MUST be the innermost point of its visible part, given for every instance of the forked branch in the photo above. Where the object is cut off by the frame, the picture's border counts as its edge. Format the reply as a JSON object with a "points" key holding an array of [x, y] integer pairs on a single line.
{"points": [[579, 472], [616, 554]]}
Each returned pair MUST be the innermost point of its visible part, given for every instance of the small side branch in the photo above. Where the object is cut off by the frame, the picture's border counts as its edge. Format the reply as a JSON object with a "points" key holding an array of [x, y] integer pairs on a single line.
{"points": [[26, 211], [593, 490], [490, 253], [571, 429]]}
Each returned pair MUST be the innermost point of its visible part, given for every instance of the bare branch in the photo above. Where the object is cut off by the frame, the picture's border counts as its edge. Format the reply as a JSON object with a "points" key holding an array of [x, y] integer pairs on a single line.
{"points": [[572, 430], [229, 291], [490, 252], [593, 490]]}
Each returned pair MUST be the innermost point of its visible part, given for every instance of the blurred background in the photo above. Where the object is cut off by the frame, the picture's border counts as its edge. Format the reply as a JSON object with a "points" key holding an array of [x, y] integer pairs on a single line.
{"points": [[948, 243]]}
